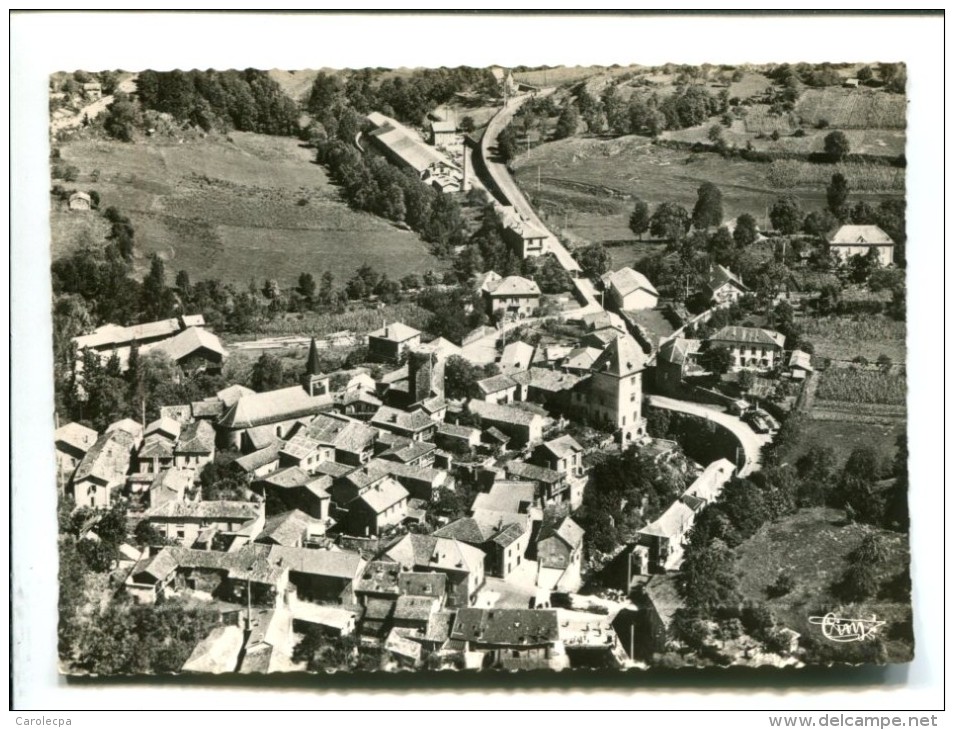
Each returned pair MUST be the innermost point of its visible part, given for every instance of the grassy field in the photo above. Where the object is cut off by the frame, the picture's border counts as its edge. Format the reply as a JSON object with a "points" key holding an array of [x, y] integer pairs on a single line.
{"points": [[236, 208], [871, 141], [844, 436], [812, 546], [599, 178], [844, 337], [862, 177]]}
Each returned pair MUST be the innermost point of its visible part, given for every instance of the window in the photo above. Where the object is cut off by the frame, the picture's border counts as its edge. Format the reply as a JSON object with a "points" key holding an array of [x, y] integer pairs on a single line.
{"points": [[624, 420], [633, 381]]}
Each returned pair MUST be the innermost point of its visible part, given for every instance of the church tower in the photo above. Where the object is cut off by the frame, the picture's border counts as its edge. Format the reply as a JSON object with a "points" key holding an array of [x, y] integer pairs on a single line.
{"points": [[314, 381]]}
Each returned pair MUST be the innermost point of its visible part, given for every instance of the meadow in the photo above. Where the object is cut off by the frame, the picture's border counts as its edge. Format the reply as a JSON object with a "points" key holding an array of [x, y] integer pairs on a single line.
{"points": [[845, 108], [236, 208]]}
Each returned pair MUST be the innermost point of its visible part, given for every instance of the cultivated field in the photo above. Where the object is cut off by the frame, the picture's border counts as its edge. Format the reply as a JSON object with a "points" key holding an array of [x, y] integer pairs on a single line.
{"points": [[793, 174], [857, 387], [812, 546], [843, 338], [852, 108], [248, 206], [848, 433]]}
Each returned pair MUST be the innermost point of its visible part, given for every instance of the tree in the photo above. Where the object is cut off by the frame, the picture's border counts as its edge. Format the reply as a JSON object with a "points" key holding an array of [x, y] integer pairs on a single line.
{"points": [[467, 124], [716, 360], [817, 469], [460, 378], [708, 209], [836, 146], [837, 194], [267, 373], [122, 118], [745, 231], [639, 218], [786, 215], [714, 134], [861, 267], [670, 221], [865, 74], [507, 145], [707, 579], [594, 260], [568, 122], [551, 277], [158, 301], [307, 287], [746, 380]]}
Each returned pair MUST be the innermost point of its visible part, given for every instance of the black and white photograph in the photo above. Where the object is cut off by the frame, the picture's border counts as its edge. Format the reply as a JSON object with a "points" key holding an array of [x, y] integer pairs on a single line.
{"points": [[530, 367]]}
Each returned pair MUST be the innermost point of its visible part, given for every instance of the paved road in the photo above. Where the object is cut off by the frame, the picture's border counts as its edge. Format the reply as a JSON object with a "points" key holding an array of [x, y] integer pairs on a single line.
{"points": [[752, 442], [505, 182]]}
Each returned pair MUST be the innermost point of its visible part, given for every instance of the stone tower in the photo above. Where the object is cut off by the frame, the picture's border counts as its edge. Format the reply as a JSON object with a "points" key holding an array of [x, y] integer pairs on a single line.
{"points": [[616, 388]]}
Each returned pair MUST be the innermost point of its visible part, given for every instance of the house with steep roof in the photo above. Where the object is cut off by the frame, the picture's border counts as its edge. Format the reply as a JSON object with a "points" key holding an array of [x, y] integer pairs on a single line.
{"points": [[352, 440], [217, 653], [196, 446], [72, 441], [261, 462], [675, 359], [376, 508], [613, 392], [723, 286], [463, 564], [751, 347], [515, 358], [518, 497], [392, 342], [295, 488], [194, 350], [851, 240], [503, 538], [101, 473], [562, 454], [513, 297], [560, 552], [456, 437], [497, 389], [413, 453], [170, 485], [420, 482], [630, 290]]}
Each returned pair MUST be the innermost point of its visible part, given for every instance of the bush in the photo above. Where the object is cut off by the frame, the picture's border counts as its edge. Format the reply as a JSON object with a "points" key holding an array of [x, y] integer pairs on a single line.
{"points": [[783, 585]]}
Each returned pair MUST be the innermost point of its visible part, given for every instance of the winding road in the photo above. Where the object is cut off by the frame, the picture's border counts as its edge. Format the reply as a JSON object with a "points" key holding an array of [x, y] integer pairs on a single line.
{"points": [[752, 442]]}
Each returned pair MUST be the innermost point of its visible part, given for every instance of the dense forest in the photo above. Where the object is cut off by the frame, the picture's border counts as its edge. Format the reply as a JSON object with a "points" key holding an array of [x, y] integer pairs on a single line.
{"points": [[248, 101]]}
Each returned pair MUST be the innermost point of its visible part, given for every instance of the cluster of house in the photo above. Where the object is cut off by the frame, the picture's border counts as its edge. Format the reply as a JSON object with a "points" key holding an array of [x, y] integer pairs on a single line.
{"points": [[337, 521], [184, 339]]}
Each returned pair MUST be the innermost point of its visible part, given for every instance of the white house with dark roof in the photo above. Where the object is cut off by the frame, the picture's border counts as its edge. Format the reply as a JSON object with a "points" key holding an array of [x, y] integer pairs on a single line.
{"points": [[559, 553], [852, 240], [497, 389], [463, 564], [515, 358], [513, 296], [751, 347], [723, 286], [101, 474], [630, 289], [563, 454]]}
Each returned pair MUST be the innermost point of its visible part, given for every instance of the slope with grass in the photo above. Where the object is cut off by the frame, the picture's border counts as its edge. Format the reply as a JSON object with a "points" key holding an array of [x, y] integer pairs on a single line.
{"points": [[234, 208], [812, 546]]}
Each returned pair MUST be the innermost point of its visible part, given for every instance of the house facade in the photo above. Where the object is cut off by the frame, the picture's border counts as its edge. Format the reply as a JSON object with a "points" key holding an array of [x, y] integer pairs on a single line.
{"points": [[513, 297], [631, 290], [751, 347], [850, 241]]}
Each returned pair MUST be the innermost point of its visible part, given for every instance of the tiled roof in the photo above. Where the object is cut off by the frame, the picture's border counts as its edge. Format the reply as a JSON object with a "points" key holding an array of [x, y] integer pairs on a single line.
{"points": [[749, 336], [197, 438], [258, 459], [422, 584], [289, 478], [415, 608], [532, 472], [563, 446], [495, 384], [506, 496], [380, 576], [622, 357], [502, 413], [719, 276], [457, 431], [383, 495], [108, 459], [260, 409], [516, 357], [166, 426], [465, 529], [395, 332], [333, 563], [506, 626], [209, 510], [678, 350], [565, 529], [429, 551], [626, 281], [156, 447], [287, 528], [228, 396], [75, 435], [189, 341], [514, 286], [392, 417]]}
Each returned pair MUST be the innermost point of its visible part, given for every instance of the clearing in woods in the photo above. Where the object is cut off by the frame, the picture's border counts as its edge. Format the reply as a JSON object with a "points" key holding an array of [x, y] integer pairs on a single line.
{"points": [[236, 208]]}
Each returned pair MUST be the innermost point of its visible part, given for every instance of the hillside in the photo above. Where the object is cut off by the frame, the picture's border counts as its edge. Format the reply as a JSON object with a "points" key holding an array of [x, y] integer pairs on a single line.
{"points": [[297, 84], [234, 208]]}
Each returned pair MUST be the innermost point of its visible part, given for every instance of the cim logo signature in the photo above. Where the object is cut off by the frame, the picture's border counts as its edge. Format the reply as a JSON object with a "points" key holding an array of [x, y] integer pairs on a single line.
{"points": [[844, 630]]}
